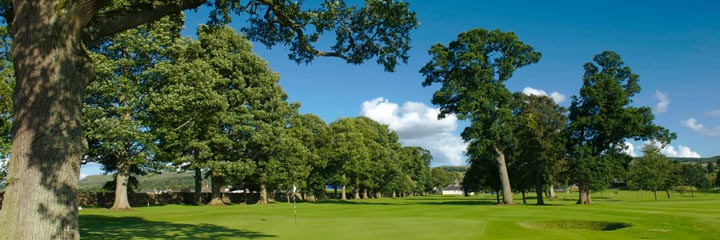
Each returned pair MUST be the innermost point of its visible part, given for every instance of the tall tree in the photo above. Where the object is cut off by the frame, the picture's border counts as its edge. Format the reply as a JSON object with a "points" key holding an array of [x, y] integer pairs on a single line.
{"points": [[52, 69], [115, 112], [225, 113], [312, 132], [473, 70], [651, 171], [602, 118], [541, 146], [693, 175]]}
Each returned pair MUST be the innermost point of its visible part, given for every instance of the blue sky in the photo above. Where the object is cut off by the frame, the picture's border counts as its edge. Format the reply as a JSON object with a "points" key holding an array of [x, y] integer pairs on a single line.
{"points": [[673, 45]]}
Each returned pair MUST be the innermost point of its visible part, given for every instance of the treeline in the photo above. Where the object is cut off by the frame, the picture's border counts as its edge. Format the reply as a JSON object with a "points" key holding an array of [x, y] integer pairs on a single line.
{"points": [[212, 107], [524, 143]]}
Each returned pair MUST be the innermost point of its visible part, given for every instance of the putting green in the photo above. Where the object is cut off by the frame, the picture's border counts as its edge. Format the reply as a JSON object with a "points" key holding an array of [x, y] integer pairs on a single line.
{"points": [[624, 216]]}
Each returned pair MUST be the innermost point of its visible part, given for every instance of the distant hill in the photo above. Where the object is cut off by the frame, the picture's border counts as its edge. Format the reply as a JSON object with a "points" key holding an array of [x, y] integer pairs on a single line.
{"points": [[148, 183], [695, 160]]}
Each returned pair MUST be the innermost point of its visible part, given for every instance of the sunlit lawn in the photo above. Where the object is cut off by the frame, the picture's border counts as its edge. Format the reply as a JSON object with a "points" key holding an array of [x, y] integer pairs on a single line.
{"points": [[436, 217]]}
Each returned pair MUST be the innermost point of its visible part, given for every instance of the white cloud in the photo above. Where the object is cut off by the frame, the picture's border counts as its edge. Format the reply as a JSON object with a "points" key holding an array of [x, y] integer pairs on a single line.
{"points": [[693, 124], [663, 102], [630, 149], [556, 96], [83, 176], [418, 125], [681, 151], [669, 151]]}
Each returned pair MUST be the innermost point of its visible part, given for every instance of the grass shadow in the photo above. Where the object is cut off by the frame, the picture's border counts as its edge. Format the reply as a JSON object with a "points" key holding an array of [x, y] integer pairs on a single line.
{"points": [[354, 202], [117, 228], [460, 202]]}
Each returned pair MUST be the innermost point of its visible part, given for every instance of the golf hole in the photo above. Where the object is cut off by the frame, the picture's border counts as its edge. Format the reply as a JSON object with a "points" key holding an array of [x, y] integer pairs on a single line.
{"points": [[574, 224]]}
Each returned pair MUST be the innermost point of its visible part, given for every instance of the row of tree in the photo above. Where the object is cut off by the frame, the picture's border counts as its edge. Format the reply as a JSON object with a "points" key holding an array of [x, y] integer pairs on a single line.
{"points": [[50, 42], [530, 141], [211, 106], [654, 172]]}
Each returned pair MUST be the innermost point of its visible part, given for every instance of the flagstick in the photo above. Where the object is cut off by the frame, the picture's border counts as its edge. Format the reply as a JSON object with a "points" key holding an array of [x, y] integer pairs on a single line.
{"points": [[294, 205]]}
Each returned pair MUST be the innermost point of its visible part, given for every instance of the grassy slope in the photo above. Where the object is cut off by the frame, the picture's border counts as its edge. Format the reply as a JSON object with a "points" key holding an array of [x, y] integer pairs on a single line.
{"points": [[416, 218]]}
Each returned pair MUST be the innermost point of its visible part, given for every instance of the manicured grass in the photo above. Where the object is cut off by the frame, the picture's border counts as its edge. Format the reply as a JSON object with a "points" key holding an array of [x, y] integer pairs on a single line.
{"points": [[631, 215]]}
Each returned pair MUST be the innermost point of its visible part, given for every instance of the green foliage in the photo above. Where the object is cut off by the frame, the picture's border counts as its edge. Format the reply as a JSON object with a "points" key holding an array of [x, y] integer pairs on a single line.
{"points": [[226, 112], [441, 178], [540, 148], [602, 118], [694, 175], [115, 108], [367, 155], [473, 70], [651, 171], [7, 74], [379, 29], [311, 135]]}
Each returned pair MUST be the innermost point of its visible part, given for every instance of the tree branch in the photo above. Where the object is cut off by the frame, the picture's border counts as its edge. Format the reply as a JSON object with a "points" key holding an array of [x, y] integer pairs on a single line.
{"points": [[286, 21], [119, 20]]}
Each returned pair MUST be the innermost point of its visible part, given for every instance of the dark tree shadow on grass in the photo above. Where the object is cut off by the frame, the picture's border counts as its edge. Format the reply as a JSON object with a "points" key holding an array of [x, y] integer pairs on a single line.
{"points": [[355, 202], [461, 202], [117, 228]]}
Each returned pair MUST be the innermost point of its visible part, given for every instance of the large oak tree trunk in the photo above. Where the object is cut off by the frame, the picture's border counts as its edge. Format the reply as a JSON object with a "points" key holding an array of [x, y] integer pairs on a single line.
{"points": [[198, 187], [356, 193], [263, 194], [216, 196], [121, 190], [539, 192], [551, 190], [584, 191], [344, 194], [504, 178], [51, 71]]}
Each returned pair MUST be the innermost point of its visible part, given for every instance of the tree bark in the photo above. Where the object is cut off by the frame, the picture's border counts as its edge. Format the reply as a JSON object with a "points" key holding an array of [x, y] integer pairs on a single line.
{"points": [[667, 191], [692, 193], [523, 197], [584, 191], [365, 193], [539, 192], [263, 194], [344, 194], [504, 178], [655, 193], [121, 189], [52, 69], [216, 196], [356, 193], [552, 194], [198, 187]]}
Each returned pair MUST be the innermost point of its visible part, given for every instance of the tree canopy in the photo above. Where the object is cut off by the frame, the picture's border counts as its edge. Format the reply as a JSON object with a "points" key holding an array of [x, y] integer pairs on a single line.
{"points": [[51, 63], [472, 71], [602, 118]]}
